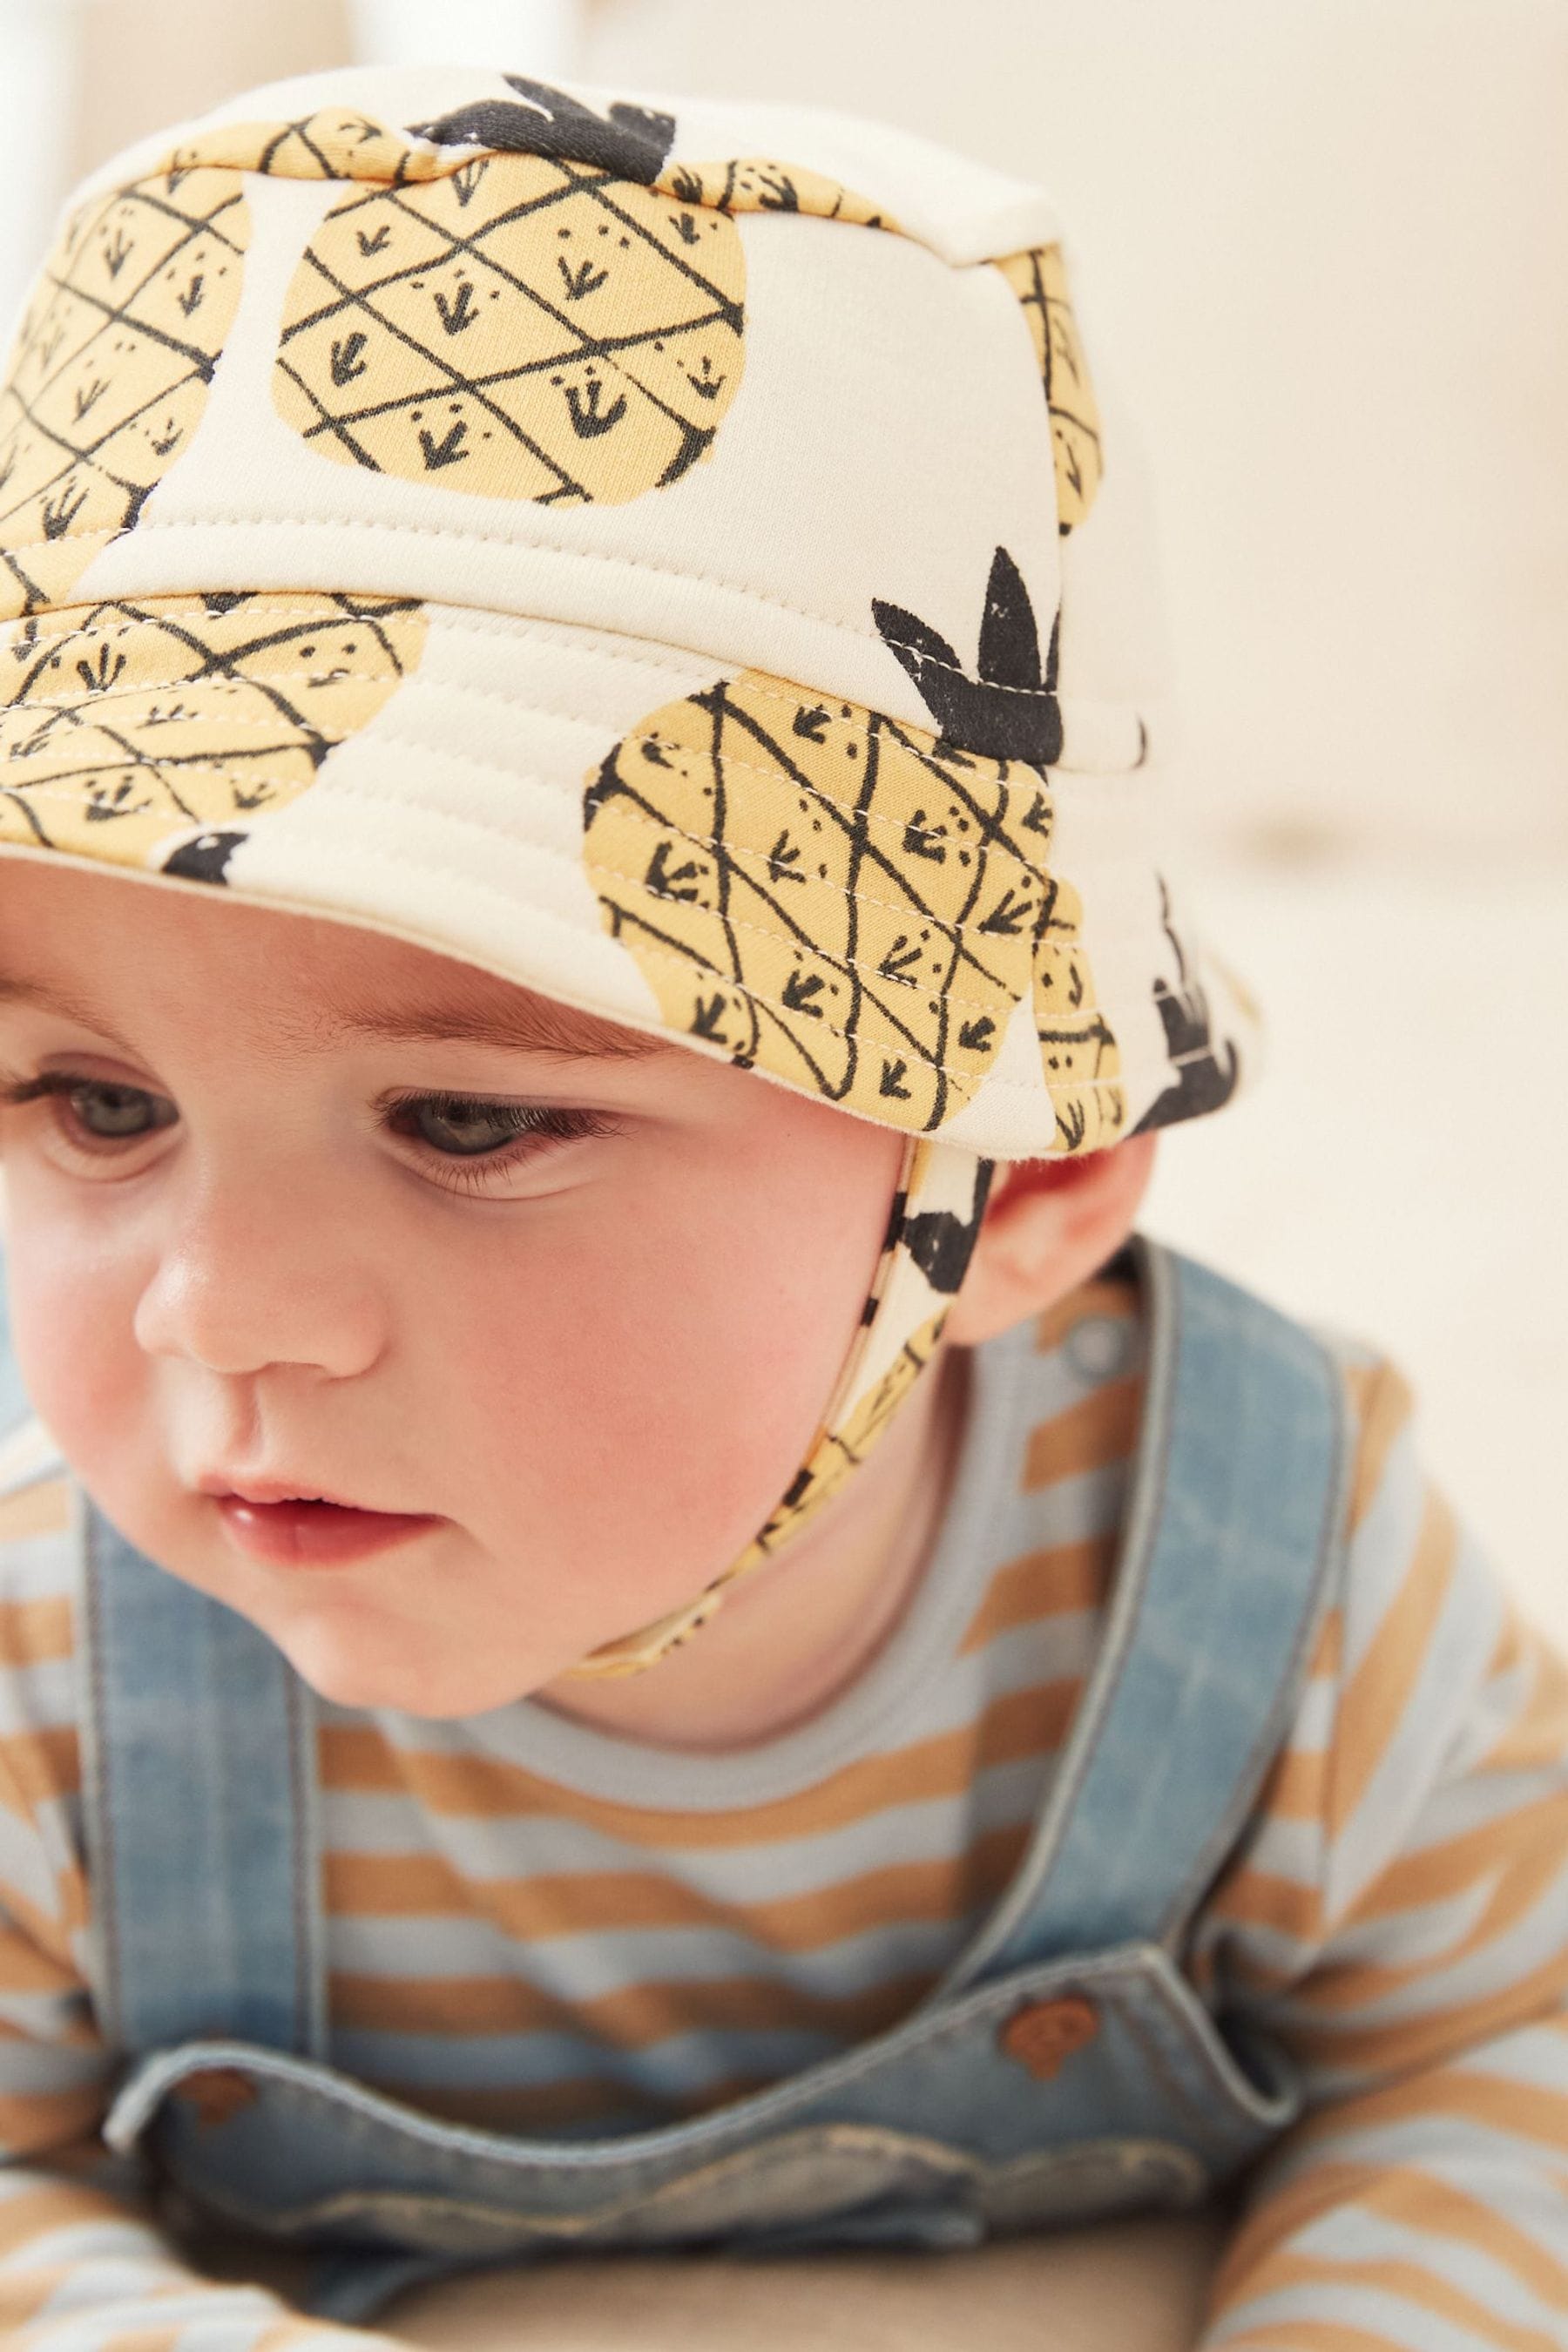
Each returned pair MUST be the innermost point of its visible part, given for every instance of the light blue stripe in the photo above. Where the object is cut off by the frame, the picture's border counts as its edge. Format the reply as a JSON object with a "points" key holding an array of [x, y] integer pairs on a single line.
{"points": [[1348, 2234], [582, 1968], [1535, 2055], [1386, 2319], [37, 1568], [1286, 1849], [486, 1852], [29, 1862], [41, 1697], [1379, 1552], [41, 2069], [45, 2017], [1420, 1744]]}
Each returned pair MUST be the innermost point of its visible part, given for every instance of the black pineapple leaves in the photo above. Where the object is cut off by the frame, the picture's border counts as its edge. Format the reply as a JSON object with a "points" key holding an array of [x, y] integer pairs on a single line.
{"points": [[631, 142], [1008, 709], [1009, 641], [942, 1243], [1203, 1082]]}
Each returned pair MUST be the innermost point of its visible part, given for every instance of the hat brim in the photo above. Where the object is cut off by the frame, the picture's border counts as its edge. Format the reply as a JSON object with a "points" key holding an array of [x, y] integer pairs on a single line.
{"points": [[943, 942]]}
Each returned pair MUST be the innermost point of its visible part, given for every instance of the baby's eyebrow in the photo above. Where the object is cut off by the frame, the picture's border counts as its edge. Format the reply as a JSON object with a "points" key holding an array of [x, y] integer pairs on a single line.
{"points": [[527, 1024], [532, 1025], [52, 999]]}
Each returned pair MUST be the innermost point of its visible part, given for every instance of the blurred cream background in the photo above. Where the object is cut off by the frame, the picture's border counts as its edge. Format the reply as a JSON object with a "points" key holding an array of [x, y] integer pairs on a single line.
{"points": [[1320, 248]]}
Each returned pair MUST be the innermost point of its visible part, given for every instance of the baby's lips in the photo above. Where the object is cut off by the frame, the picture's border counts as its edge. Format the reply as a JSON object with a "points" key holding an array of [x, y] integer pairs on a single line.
{"points": [[283, 1490], [292, 1533]]}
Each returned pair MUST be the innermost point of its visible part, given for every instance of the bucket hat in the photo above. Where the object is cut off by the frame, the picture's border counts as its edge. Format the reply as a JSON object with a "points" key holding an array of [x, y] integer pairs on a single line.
{"points": [[665, 553]]}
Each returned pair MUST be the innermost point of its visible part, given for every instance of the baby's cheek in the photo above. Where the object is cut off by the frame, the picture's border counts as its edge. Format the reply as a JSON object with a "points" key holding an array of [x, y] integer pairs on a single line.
{"points": [[660, 1424], [71, 1330], [645, 1410]]}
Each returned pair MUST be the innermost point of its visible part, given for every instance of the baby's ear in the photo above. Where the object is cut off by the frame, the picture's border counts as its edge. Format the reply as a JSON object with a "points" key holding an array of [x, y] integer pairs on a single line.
{"points": [[1048, 1225]]}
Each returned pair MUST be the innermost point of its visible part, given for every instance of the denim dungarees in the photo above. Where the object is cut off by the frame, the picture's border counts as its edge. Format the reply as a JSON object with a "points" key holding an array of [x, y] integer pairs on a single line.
{"points": [[1064, 2069]]}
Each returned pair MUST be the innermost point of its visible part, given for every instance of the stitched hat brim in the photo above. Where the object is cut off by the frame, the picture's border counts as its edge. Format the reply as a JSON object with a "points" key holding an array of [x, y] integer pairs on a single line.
{"points": [[942, 942]]}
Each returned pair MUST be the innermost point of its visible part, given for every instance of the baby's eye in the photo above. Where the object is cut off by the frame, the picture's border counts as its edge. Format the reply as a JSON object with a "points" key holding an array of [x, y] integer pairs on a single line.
{"points": [[113, 1114], [461, 1128], [466, 1128], [96, 1110]]}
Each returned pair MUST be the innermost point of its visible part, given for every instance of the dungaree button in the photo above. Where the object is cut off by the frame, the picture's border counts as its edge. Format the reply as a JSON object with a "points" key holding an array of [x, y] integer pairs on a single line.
{"points": [[216, 2094], [1044, 2034]]}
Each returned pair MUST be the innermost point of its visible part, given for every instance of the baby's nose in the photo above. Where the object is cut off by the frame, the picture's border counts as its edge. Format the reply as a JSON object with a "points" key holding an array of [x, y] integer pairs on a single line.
{"points": [[259, 1277]]}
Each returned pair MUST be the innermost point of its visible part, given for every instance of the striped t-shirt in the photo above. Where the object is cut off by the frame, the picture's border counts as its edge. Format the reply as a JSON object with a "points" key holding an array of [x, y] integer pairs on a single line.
{"points": [[541, 1928]]}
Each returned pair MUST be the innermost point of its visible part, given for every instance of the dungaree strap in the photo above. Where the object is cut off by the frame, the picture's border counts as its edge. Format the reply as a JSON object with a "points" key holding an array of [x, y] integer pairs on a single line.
{"points": [[1236, 1517], [199, 1782]]}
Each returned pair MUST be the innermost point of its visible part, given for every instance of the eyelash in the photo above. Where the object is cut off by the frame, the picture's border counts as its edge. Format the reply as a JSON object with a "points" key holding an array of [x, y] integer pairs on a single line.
{"points": [[532, 1123]]}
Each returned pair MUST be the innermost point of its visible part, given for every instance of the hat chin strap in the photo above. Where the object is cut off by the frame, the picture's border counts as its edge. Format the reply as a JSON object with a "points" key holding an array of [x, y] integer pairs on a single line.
{"points": [[633, 1653], [938, 1206]]}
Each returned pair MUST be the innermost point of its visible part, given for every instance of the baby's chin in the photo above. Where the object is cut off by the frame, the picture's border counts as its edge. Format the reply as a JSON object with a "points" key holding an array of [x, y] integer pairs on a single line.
{"points": [[401, 1670]]}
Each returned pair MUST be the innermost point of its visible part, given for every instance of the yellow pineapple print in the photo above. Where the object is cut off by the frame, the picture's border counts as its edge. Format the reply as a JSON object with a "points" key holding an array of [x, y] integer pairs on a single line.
{"points": [[1038, 277], [556, 316], [103, 756], [854, 904], [335, 143], [520, 329], [749, 183], [110, 372]]}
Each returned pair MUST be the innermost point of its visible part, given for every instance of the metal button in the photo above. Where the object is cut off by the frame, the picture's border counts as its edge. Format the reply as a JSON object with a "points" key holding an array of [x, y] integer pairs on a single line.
{"points": [[1100, 1347], [216, 2094], [1044, 2034]]}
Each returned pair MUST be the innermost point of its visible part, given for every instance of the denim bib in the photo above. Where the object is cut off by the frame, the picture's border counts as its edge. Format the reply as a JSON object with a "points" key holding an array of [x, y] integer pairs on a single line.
{"points": [[1064, 2069]]}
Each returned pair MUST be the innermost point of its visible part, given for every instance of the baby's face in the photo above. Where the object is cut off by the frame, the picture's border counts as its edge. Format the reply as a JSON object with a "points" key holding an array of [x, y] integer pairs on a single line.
{"points": [[575, 1297]]}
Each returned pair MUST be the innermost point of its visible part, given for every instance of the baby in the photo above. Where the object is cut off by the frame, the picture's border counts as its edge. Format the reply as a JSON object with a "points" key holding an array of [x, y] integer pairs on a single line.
{"points": [[634, 1615]]}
